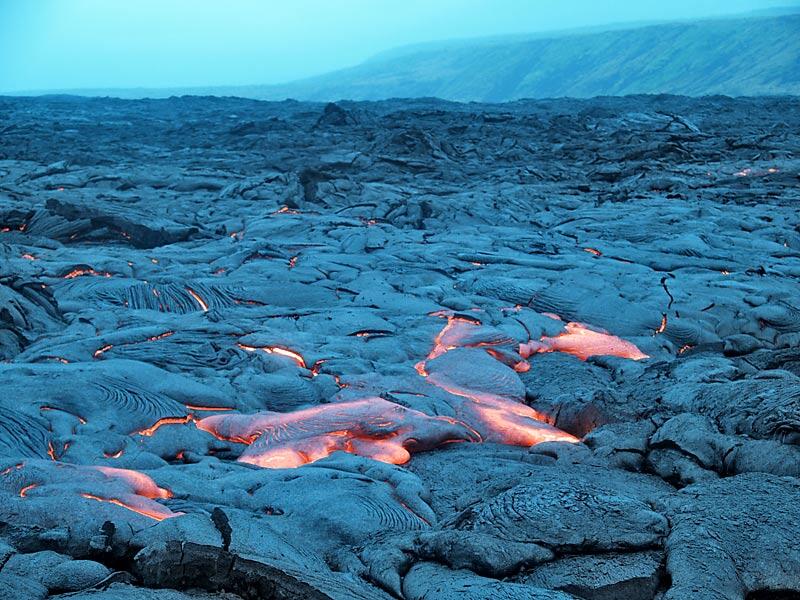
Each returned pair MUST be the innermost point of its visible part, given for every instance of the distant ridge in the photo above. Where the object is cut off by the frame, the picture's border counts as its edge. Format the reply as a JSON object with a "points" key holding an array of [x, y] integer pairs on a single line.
{"points": [[752, 55]]}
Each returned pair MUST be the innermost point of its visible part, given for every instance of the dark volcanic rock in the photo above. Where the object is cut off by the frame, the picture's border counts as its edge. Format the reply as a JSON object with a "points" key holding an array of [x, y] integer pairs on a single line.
{"points": [[567, 516], [409, 349], [629, 576], [735, 537]]}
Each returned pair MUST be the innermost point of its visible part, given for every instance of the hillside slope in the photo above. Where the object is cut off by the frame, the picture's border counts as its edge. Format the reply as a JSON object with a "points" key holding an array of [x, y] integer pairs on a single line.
{"points": [[752, 55], [747, 56]]}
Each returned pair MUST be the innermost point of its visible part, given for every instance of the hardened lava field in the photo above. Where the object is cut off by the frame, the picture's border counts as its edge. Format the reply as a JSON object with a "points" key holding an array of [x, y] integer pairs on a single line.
{"points": [[413, 349]]}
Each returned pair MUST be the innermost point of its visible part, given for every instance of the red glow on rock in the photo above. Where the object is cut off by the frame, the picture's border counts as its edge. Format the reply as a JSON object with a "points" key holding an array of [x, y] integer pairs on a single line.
{"points": [[516, 424], [81, 272], [287, 353], [502, 420], [27, 256], [8, 470], [663, 326], [141, 484], [208, 408], [389, 432], [449, 337], [160, 336], [165, 421], [317, 367], [24, 491], [594, 251], [280, 351], [46, 408], [197, 298], [466, 332], [60, 359], [152, 510], [553, 316], [100, 351]]}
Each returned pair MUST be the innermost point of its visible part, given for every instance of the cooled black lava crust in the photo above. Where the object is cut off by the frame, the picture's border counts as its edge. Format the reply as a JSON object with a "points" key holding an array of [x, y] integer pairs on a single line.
{"points": [[409, 349]]}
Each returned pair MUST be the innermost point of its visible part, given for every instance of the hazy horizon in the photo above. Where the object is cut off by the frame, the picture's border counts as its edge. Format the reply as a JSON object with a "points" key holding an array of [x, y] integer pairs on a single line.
{"points": [[83, 44]]}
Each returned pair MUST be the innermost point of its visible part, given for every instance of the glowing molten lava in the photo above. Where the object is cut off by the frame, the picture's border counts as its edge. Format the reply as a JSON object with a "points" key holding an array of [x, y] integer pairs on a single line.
{"points": [[370, 427], [80, 272], [142, 499], [100, 351], [295, 356], [501, 420], [197, 298], [662, 327], [583, 342], [285, 210], [515, 424], [461, 332], [152, 510], [468, 362], [165, 421], [24, 491], [139, 482]]}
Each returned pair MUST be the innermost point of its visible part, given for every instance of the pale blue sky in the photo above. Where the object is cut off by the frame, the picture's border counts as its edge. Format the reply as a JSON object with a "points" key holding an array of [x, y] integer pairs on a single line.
{"points": [[59, 44]]}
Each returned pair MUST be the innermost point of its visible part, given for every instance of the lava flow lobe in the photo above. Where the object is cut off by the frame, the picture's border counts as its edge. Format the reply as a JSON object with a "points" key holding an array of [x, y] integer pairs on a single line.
{"points": [[583, 341], [370, 427]]}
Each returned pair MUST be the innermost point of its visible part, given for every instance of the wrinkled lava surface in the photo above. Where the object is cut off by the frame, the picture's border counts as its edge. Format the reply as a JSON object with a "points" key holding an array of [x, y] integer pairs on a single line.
{"points": [[408, 349]]}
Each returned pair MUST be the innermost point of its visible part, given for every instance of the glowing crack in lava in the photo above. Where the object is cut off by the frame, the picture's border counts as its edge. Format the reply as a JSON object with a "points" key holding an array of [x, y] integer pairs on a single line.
{"points": [[370, 427], [295, 356], [149, 431], [23, 493], [81, 272], [197, 298], [582, 341], [152, 510]]}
